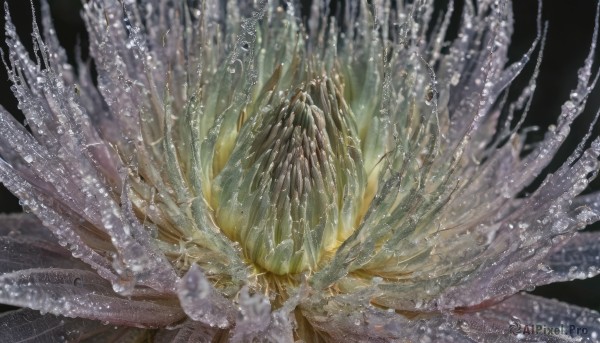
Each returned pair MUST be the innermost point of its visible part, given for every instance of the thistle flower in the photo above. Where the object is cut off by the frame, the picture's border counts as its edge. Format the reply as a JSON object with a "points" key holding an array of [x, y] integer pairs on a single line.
{"points": [[237, 172]]}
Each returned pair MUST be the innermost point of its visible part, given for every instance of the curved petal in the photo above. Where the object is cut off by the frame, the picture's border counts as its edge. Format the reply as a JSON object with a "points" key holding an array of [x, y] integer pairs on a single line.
{"points": [[25, 243], [190, 332], [577, 258], [521, 318], [119, 334], [528, 318], [24, 224], [80, 293], [17, 254], [341, 318], [27, 325]]}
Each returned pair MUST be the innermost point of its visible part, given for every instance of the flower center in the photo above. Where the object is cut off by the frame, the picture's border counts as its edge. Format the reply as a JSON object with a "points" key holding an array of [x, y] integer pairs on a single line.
{"points": [[290, 191]]}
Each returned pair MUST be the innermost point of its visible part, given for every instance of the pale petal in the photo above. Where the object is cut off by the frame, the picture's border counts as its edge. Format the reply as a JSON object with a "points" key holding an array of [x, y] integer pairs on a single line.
{"points": [[256, 322], [520, 250], [340, 318], [202, 302], [27, 325], [577, 258], [190, 332], [118, 334], [18, 253], [55, 161], [512, 320], [79, 293], [26, 243], [24, 224], [255, 316]]}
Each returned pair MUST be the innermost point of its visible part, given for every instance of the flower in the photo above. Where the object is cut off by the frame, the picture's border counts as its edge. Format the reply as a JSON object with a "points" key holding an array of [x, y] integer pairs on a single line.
{"points": [[235, 172]]}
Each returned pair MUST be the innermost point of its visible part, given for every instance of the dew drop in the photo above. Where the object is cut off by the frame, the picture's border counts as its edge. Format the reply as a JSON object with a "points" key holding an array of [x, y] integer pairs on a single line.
{"points": [[429, 95], [455, 79]]}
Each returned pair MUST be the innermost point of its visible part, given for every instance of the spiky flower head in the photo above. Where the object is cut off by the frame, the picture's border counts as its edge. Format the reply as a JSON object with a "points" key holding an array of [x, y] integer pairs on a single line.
{"points": [[236, 171]]}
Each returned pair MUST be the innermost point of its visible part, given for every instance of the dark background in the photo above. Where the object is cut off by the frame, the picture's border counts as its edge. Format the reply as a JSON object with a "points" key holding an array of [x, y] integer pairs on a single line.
{"points": [[568, 42]]}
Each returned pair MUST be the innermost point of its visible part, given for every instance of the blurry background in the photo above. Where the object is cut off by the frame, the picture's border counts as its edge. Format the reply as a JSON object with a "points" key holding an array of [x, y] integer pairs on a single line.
{"points": [[569, 38]]}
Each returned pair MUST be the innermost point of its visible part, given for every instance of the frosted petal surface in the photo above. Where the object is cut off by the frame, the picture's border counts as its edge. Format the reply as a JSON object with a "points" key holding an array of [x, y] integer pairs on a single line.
{"points": [[259, 171]]}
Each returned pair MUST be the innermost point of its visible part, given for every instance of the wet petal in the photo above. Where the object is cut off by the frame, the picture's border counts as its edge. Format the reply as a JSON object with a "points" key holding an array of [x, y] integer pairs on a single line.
{"points": [[24, 224], [79, 293], [190, 332], [27, 325], [17, 254], [26, 243], [202, 302], [577, 258], [256, 321], [528, 318]]}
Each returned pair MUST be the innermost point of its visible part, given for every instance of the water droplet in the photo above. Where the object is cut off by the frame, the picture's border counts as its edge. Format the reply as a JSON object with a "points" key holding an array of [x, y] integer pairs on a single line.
{"points": [[455, 79], [429, 95], [463, 325]]}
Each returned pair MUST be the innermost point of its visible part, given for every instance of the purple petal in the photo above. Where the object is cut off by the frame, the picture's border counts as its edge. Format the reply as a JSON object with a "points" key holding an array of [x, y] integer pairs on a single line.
{"points": [[26, 243], [24, 224], [26, 325], [80, 293], [528, 318], [507, 321], [190, 332], [577, 258], [18, 254]]}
